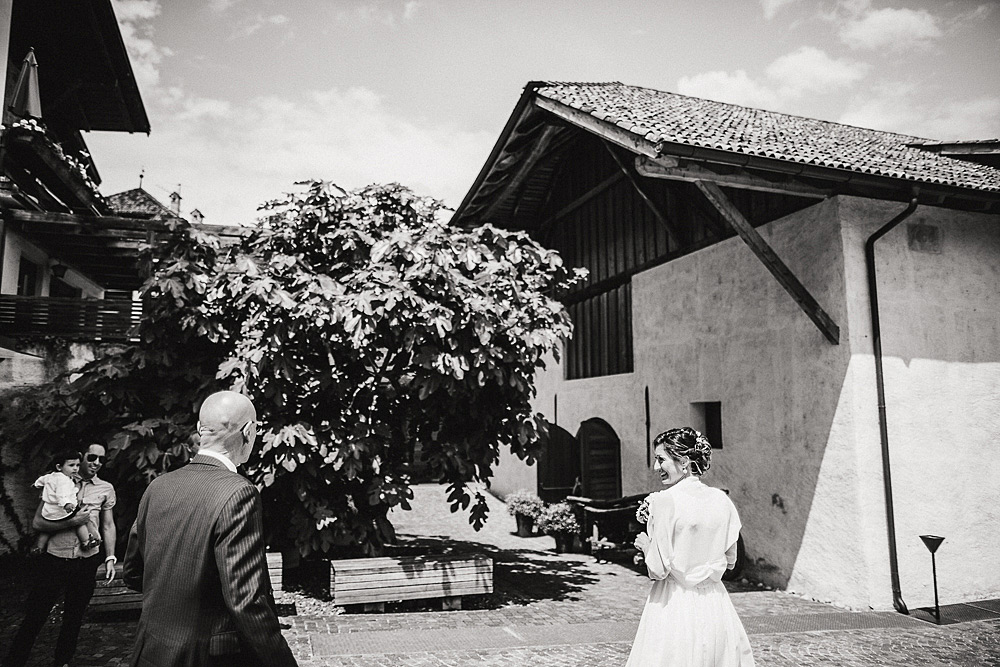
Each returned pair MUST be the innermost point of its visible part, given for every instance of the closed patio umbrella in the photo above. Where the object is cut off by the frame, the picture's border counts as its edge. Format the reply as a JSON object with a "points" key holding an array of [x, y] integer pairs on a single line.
{"points": [[26, 102]]}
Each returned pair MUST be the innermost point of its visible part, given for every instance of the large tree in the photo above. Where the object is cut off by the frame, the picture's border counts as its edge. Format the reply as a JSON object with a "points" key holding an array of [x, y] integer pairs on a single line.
{"points": [[371, 329]]}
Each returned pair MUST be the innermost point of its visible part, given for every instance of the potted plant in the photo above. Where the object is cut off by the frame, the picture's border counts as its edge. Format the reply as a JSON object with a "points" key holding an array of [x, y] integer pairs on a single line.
{"points": [[525, 507], [559, 521]]}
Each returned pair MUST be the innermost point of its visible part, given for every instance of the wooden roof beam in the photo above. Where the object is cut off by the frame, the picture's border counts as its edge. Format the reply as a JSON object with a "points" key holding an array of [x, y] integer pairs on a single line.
{"points": [[524, 169], [669, 168], [607, 131], [110, 222], [770, 259]]}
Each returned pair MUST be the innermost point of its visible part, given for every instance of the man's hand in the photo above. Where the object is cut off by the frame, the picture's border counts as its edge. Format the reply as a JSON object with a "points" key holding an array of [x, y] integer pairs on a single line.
{"points": [[642, 542], [109, 564], [43, 525]]}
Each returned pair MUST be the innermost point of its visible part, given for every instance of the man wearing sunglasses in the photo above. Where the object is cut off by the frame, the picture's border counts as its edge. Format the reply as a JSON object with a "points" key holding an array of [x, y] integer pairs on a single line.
{"points": [[67, 567], [196, 551]]}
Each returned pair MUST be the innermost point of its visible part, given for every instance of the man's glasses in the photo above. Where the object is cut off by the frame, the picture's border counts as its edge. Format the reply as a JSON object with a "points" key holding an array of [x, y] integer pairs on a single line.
{"points": [[96, 457]]}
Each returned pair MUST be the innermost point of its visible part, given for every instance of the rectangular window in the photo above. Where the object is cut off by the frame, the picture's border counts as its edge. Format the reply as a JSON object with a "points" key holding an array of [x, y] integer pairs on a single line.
{"points": [[707, 418], [602, 334]]}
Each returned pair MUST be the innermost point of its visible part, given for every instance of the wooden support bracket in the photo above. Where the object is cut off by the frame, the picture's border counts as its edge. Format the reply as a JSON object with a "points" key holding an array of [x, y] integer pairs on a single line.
{"points": [[674, 235], [771, 260]]}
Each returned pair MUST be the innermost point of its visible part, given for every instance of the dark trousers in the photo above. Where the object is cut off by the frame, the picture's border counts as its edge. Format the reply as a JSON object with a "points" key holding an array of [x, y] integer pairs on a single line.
{"points": [[75, 578]]}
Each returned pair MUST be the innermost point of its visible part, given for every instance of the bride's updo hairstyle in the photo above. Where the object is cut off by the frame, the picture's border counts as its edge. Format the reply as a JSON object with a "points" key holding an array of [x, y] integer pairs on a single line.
{"points": [[681, 442]]}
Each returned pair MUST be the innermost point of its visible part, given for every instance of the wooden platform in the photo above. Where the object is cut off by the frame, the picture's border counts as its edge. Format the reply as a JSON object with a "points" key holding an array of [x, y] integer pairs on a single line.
{"points": [[375, 581], [116, 597], [274, 569]]}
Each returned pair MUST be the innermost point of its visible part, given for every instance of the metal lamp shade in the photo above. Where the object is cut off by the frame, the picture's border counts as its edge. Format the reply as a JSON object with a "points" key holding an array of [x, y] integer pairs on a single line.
{"points": [[932, 542]]}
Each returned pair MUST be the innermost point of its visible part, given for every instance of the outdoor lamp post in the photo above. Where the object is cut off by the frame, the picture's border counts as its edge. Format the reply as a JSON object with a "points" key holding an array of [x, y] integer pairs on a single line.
{"points": [[932, 542]]}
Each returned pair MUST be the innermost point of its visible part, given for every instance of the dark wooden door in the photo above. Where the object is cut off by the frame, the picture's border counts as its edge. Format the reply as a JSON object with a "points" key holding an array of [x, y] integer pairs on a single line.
{"points": [[600, 460], [558, 465]]}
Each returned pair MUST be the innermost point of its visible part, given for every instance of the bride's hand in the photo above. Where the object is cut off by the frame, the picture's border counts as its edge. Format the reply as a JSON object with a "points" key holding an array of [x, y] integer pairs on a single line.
{"points": [[641, 542]]}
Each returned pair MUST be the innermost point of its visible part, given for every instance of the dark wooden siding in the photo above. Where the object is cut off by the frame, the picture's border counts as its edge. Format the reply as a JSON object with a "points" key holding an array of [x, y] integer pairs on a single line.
{"points": [[616, 234]]}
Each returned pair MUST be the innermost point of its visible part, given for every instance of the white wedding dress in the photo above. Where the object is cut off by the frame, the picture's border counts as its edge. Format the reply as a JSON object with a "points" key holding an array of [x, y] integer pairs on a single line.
{"points": [[689, 620]]}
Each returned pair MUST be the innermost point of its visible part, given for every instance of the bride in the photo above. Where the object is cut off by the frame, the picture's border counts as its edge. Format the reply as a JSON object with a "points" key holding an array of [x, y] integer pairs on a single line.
{"points": [[688, 620]]}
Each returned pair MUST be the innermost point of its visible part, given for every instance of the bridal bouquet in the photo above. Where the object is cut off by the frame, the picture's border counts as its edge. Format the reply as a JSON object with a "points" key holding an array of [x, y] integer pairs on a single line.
{"points": [[642, 513]]}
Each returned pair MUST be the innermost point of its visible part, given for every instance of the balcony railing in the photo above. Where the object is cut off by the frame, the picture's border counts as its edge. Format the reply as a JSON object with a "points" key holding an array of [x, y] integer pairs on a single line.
{"points": [[78, 319]]}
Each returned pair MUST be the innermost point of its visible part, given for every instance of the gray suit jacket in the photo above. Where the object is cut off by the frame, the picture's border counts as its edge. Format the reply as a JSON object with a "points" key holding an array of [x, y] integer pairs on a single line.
{"points": [[196, 552]]}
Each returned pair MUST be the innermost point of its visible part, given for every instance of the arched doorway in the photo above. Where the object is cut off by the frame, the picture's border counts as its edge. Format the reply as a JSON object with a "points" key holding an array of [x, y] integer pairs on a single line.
{"points": [[600, 460], [558, 465]]}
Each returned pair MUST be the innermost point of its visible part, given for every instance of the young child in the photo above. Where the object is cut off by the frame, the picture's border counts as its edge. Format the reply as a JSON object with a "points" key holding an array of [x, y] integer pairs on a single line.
{"points": [[59, 501]]}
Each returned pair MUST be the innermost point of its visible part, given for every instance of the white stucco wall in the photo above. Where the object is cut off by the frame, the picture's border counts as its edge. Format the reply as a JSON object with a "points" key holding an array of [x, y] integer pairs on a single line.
{"points": [[800, 423], [940, 321]]}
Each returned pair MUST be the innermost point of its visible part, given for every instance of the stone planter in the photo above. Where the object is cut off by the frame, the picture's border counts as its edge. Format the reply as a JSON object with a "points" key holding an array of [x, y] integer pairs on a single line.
{"points": [[525, 525]]}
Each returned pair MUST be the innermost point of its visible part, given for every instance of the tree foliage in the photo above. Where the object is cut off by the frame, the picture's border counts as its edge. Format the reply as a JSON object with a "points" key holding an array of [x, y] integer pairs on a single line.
{"points": [[370, 329], [367, 332]]}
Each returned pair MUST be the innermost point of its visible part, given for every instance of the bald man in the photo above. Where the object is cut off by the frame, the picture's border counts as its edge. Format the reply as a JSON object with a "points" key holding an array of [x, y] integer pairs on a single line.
{"points": [[196, 551]]}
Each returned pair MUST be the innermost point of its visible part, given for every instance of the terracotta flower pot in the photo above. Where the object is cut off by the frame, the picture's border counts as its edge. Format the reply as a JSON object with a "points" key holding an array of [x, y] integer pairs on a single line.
{"points": [[525, 525]]}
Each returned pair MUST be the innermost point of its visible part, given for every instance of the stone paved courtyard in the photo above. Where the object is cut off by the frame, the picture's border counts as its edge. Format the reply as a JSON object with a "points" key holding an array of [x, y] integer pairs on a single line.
{"points": [[553, 609]]}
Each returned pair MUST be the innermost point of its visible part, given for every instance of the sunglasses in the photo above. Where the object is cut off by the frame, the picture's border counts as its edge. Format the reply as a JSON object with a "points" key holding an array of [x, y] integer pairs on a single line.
{"points": [[96, 457]]}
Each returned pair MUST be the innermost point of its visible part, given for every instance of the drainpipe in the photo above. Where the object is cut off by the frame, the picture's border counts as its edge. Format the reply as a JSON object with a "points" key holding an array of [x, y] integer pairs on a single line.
{"points": [[897, 595]]}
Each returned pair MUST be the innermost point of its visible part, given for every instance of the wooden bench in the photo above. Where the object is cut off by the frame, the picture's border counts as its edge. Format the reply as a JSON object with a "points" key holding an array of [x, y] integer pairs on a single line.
{"points": [[117, 597], [371, 582]]}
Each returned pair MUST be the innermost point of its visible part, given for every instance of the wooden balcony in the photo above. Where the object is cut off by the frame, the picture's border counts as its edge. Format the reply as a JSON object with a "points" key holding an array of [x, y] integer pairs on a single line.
{"points": [[77, 319]]}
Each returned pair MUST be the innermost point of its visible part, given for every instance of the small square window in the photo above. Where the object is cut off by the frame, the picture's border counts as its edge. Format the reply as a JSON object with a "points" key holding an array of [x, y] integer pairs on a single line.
{"points": [[707, 418]]}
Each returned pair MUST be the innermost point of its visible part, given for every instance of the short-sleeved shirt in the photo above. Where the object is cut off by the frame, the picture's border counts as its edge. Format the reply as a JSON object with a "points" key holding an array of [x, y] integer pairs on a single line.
{"points": [[58, 490], [95, 495]]}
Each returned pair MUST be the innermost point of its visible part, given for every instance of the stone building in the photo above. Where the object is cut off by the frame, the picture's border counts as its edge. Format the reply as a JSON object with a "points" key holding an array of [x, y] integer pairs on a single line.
{"points": [[731, 253]]}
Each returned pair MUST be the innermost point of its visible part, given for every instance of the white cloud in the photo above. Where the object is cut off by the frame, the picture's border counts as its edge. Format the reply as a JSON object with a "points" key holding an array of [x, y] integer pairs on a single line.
{"points": [[133, 20], [220, 6], [231, 158], [255, 23], [808, 70], [385, 12], [862, 27], [410, 9], [899, 108], [374, 12], [732, 87], [771, 7]]}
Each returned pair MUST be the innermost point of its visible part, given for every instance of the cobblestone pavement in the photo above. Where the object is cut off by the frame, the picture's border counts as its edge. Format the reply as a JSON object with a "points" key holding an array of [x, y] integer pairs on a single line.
{"points": [[550, 610]]}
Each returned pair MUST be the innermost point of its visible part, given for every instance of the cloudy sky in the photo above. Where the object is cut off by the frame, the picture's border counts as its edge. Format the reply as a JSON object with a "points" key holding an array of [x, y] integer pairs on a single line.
{"points": [[247, 96]]}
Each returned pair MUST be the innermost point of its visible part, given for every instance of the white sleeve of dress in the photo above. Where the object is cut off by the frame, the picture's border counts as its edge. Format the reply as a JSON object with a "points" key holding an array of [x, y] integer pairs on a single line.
{"points": [[732, 535], [660, 552]]}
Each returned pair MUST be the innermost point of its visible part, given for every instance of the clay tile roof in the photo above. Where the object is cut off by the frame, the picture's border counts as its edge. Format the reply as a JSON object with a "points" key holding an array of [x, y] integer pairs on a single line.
{"points": [[138, 203], [668, 117]]}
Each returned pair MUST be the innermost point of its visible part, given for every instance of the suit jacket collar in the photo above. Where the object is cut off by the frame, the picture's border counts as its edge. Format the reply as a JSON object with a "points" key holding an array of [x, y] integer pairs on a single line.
{"points": [[208, 459]]}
